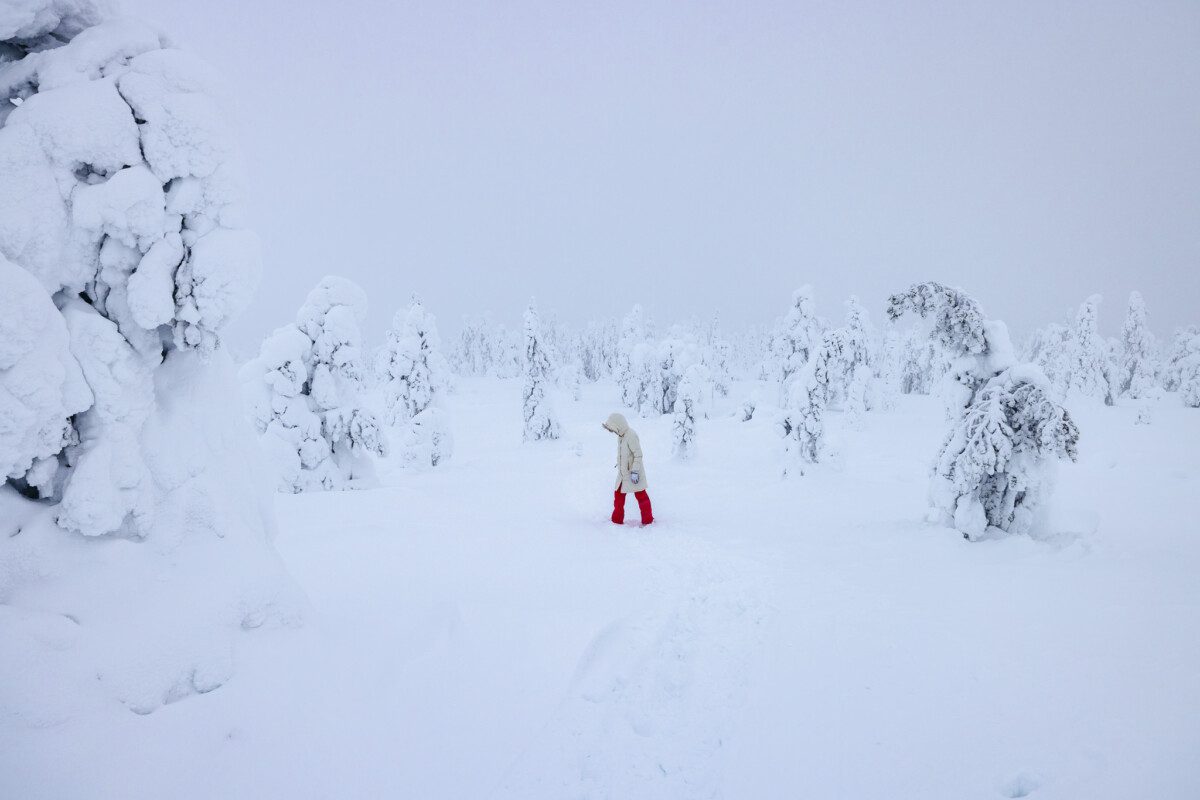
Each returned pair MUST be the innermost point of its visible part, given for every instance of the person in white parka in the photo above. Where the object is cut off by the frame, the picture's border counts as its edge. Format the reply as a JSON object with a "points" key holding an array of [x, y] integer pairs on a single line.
{"points": [[631, 473]]}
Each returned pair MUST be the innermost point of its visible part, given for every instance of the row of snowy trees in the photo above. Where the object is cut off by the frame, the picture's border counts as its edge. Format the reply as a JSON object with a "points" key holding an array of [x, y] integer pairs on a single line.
{"points": [[1080, 364]]}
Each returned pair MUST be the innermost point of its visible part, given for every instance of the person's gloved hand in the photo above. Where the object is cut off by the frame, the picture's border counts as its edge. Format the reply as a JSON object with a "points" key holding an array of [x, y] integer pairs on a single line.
{"points": [[633, 476]]}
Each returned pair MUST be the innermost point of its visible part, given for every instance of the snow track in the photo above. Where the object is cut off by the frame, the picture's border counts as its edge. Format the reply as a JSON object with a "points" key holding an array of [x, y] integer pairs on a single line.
{"points": [[655, 695]]}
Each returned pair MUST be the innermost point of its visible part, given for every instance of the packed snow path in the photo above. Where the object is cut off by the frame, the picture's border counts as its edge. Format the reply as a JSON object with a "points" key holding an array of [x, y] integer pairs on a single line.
{"points": [[482, 631]]}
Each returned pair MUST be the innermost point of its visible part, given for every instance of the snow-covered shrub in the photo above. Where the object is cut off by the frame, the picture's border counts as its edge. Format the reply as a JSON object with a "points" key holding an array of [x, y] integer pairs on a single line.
{"points": [[687, 404], [122, 258], [795, 337], [1090, 364], [994, 467], [305, 392], [1139, 367], [540, 419], [746, 412], [415, 376]]}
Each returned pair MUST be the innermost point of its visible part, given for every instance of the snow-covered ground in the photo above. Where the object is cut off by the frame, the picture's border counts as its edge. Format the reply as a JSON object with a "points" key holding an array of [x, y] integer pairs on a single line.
{"points": [[481, 630]]}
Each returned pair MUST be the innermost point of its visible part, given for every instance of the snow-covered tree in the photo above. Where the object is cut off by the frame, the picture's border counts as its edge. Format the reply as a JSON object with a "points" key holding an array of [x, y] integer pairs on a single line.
{"points": [[1050, 349], [1089, 361], [507, 353], [1185, 365], [122, 259], [1184, 348], [598, 350], [891, 361], [809, 394], [1139, 367], [795, 337], [473, 354], [993, 470], [415, 376], [305, 391], [630, 368], [860, 366], [687, 404], [540, 419], [921, 363]]}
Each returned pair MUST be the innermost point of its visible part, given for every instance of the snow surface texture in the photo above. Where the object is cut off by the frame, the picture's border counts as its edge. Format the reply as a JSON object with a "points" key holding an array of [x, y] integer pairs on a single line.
{"points": [[764, 639], [120, 262], [305, 394]]}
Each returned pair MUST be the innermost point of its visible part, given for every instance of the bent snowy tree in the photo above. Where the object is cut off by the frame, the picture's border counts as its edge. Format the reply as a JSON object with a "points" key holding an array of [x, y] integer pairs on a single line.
{"points": [[994, 467]]}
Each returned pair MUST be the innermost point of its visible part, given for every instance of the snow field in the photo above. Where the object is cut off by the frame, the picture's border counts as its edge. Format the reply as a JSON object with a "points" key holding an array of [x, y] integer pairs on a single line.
{"points": [[481, 630]]}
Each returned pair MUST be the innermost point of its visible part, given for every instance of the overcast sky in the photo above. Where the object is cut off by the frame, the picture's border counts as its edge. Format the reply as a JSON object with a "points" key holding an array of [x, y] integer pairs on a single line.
{"points": [[711, 157]]}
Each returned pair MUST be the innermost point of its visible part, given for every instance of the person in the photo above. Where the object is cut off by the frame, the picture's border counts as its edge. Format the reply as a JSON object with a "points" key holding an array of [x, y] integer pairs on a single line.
{"points": [[631, 473]]}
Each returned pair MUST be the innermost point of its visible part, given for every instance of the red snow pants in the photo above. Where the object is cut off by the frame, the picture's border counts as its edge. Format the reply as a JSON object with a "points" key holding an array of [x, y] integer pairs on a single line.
{"points": [[618, 515]]}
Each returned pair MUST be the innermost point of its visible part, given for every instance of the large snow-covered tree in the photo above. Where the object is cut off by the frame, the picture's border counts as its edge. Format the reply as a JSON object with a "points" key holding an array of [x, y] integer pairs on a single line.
{"points": [[415, 376], [305, 392], [1139, 364], [538, 411], [993, 469], [122, 258]]}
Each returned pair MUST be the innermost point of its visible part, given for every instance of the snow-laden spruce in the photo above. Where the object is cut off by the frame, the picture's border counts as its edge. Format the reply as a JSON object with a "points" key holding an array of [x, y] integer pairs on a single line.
{"points": [[1089, 362], [1178, 355], [540, 420], [809, 395], [1183, 367], [889, 369], [796, 335], [860, 368], [1050, 349], [305, 392], [473, 355], [995, 466], [687, 408], [122, 258], [1139, 363], [415, 376], [631, 364]]}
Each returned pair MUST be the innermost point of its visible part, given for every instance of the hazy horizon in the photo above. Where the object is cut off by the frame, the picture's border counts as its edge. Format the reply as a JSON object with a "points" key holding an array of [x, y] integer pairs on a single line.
{"points": [[478, 154]]}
